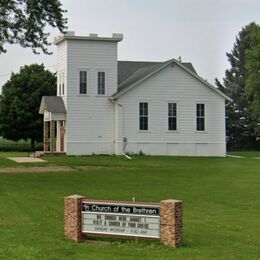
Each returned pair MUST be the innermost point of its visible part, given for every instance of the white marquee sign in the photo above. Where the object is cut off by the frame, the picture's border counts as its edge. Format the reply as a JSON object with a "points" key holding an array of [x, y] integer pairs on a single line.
{"points": [[121, 219]]}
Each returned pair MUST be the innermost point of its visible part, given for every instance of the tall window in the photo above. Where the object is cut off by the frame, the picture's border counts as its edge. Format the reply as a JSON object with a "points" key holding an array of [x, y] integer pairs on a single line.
{"points": [[59, 84], [200, 117], [172, 116], [143, 116], [62, 83], [101, 83], [82, 82]]}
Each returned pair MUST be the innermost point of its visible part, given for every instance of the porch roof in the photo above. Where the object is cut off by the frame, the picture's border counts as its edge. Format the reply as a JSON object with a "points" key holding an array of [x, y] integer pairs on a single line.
{"points": [[52, 104]]}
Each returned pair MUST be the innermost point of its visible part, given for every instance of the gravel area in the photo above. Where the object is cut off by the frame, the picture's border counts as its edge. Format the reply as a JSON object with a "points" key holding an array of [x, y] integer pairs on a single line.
{"points": [[37, 169]]}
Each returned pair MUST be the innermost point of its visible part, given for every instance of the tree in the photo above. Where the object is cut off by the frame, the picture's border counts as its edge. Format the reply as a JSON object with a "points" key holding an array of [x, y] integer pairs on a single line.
{"points": [[24, 21], [20, 101], [241, 120], [253, 66]]}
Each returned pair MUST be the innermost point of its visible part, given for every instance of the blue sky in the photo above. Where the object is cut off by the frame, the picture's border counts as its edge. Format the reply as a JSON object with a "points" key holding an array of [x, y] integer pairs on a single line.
{"points": [[200, 31]]}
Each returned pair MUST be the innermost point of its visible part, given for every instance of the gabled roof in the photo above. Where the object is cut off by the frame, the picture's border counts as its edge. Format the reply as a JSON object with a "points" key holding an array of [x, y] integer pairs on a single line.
{"points": [[132, 73], [52, 104], [127, 68]]}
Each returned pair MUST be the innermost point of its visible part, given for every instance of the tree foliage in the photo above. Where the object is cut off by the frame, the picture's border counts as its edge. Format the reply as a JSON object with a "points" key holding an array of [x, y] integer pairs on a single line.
{"points": [[24, 21], [20, 101], [242, 122], [253, 66]]}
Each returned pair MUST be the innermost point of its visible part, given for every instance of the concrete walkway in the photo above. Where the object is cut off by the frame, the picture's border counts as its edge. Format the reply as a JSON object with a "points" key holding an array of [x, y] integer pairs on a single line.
{"points": [[26, 159]]}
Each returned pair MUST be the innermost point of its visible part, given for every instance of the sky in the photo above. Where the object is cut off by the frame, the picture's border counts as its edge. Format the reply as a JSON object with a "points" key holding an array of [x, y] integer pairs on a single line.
{"points": [[198, 31]]}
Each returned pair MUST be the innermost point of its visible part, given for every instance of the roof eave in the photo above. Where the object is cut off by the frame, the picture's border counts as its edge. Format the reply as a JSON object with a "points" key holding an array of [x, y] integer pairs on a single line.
{"points": [[118, 94], [44, 106], [203, 81], [63, 38]]}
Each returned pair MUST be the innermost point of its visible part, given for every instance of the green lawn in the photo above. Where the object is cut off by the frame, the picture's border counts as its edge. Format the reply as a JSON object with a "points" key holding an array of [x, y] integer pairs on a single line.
{"points": [[248, 154], [221, 205]]}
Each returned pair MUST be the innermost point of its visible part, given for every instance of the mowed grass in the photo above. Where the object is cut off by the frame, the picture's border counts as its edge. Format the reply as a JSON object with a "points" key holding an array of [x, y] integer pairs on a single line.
{"points": [[221, 206]]}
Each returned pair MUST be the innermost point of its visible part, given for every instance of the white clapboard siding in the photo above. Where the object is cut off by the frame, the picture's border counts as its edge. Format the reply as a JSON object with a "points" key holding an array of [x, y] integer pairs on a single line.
{"points": [[62, 67], [95, 124], [90, 118], [173, 84]]}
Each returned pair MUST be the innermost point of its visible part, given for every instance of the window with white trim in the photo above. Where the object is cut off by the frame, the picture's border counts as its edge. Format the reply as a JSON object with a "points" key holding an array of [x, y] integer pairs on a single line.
{"points": [[82, 82], [200, 117], [62, 83], [101, 83], [59, 84], [143, 116], [172, 116]]}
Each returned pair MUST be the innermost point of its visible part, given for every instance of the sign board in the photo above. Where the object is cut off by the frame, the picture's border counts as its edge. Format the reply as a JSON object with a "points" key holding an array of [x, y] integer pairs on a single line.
{"points": [[112, 218]]}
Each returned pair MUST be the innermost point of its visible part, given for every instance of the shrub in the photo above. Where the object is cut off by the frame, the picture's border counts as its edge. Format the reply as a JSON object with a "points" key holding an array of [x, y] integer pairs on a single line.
{"points": [[20, 146]]}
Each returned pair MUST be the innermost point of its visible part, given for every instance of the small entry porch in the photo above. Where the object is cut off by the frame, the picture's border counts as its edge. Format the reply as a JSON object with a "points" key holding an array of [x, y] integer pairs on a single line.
{"points": [[54, 136], [54, 125]]}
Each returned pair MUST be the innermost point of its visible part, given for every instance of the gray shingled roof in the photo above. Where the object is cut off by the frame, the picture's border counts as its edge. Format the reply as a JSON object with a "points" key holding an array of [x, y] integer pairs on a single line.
{"points": [[130, 72], [52, 104]]}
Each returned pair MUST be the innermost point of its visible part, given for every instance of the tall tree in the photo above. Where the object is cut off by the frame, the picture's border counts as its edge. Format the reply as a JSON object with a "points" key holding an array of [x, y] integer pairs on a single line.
{"points": [[19, 103], [24, 22], [253, 66], [241, 121]]}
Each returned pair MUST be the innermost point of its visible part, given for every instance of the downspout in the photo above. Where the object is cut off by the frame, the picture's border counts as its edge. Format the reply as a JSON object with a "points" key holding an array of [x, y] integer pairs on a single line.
{"points": [[124, 138]]}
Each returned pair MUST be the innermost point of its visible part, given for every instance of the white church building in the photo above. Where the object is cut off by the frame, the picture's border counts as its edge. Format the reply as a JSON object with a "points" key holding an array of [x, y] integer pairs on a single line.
{"points": [[106, 106]]}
